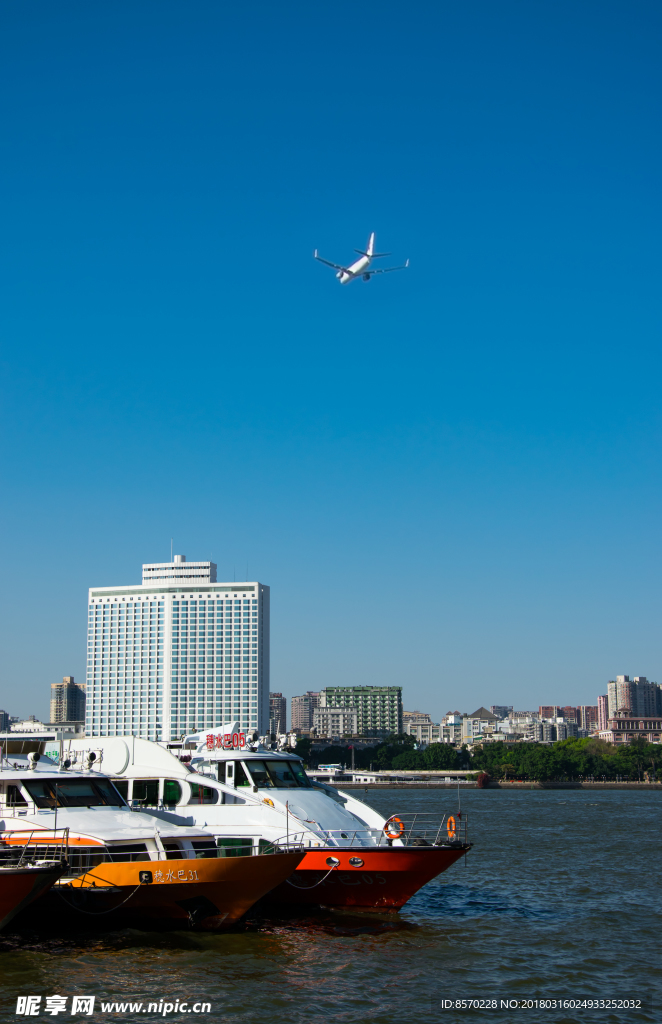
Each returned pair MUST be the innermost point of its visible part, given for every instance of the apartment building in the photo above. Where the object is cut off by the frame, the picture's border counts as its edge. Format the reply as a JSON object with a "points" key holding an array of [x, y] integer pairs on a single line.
{"points": [[67, 701], [277, 714], [379, 708], [303, 709], [335, 721]]}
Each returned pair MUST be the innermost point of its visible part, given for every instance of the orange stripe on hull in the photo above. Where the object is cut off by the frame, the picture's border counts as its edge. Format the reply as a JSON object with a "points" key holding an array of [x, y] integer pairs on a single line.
{"points": [[387, 878]]}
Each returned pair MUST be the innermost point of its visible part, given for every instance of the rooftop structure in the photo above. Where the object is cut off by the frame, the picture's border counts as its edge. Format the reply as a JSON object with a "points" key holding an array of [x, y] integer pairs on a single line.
{"points": [[179, 569]]}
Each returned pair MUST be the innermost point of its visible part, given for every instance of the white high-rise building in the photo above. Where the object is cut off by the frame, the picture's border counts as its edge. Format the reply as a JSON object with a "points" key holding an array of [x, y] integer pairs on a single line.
{"points": [[178, 654]]}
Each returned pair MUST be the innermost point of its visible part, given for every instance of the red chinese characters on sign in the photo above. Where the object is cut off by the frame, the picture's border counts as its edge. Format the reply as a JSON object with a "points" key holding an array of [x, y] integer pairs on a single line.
{"points": [[230, 741]]}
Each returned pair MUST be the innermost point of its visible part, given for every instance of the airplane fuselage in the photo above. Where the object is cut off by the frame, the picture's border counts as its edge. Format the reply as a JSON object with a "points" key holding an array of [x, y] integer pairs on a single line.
{"points": [[355, 270]]}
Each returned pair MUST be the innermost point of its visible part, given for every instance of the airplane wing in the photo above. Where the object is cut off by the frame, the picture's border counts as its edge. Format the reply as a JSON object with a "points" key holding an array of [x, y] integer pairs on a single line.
{"points": [[385, 270], [335, 266]]}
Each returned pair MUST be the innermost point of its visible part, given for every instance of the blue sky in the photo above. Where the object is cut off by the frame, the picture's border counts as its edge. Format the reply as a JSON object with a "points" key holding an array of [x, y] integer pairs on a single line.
{"points": [[449, 477]]}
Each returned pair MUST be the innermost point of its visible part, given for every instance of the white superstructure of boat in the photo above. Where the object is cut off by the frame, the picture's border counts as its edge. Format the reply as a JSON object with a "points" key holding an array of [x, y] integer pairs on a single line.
{"points": [[245, 791]]}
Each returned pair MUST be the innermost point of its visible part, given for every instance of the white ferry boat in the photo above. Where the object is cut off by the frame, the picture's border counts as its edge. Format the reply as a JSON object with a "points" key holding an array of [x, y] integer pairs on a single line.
{"points": [[245, 792], [120, 862]]}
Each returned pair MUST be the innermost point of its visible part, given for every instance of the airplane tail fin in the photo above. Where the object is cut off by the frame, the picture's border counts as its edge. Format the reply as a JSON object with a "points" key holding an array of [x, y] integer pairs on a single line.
{"points": [[370, 251]]}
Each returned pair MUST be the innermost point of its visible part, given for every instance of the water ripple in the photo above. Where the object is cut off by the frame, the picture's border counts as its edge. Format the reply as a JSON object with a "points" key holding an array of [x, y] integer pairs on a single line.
{"points": [[558, 899]]}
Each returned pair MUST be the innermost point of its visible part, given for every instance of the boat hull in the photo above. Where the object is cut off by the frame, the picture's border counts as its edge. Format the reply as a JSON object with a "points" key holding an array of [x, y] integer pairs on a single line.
{"points": [[387, 878], [19, 887], [205, 893]]}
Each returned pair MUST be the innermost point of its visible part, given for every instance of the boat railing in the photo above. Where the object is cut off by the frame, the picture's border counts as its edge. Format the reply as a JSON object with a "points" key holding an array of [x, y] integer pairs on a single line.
{"points": [[400, 830], [36, 847], [413, 829], [405, 829]]}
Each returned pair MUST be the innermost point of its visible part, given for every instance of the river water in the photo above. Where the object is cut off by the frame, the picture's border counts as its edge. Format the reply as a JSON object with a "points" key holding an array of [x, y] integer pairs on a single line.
{"points": [[559, 899]]}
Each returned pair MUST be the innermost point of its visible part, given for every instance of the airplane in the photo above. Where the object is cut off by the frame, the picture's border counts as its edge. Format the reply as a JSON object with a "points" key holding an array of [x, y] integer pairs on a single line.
{"points": [[360, 267]]}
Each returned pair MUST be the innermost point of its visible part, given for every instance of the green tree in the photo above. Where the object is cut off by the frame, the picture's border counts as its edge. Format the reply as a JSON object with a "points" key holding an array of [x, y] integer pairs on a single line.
{"points": [[438, 756]]}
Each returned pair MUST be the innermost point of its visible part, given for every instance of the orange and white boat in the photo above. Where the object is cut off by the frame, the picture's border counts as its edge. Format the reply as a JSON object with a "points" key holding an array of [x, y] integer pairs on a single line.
{"points": [[244, 792], [126, 864]]}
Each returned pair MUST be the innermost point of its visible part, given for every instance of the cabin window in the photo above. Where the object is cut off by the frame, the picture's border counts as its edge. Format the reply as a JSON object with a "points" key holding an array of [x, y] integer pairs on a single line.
{"points": [[240, 777], [73, 793], [235, 846], [296, 767], [282, 775], [260, 775], [127, 852], [202, 794], [83, 858], [172, 791], [122, 787], [146, 791], [205, 848], [15, 798], [221, 771], [173, 851], [278, 774]]}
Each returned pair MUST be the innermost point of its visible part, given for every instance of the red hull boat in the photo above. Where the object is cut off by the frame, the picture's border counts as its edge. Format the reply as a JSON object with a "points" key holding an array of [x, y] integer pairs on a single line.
{"points": [[378, 879], [21, 886]]}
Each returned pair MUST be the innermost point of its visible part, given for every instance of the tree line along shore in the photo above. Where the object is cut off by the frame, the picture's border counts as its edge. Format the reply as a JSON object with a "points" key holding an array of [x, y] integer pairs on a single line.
{"points": [[571, 760]]}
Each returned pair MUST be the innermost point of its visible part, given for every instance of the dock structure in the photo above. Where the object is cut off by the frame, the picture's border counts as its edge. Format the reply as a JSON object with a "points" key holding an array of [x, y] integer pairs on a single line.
{"points": [[336, 775]]}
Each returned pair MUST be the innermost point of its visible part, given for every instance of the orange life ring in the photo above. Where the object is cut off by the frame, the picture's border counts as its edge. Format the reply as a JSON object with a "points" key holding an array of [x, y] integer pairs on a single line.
{"points": [[450, 827], [393, 828]]}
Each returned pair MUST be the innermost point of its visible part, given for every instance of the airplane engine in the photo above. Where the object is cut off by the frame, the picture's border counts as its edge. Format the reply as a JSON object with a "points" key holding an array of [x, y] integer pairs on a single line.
{"points": [[366, 277]]}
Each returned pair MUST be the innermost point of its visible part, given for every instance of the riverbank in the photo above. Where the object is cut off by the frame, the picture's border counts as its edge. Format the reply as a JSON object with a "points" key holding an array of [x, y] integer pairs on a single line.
{"points": [[657, 786]]}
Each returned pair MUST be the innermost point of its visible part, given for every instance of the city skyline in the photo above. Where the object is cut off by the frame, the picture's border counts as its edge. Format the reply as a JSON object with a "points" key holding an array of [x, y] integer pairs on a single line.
{"points": [[365, 706], [452, 696]]}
